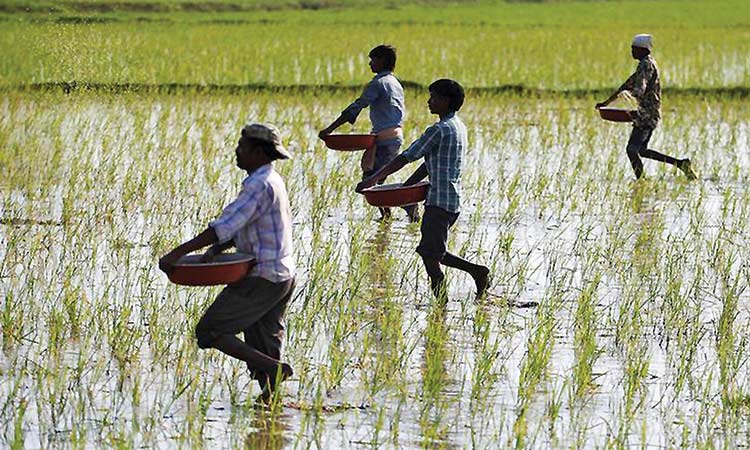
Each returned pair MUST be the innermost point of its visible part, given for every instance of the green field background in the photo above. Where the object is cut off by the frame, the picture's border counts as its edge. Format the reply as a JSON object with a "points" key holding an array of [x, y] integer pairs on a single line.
{"points": [[556, 46]]}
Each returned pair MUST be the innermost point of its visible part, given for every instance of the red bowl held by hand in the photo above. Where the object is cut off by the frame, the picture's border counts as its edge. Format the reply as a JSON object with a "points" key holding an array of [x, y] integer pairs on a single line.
{"points": [[349, 142], [616, 114], [396, 194], [225, 268]]}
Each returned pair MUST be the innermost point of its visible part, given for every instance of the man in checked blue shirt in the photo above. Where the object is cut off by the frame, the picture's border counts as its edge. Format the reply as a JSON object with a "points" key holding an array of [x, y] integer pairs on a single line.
{"points": [[385, 97], [442, 146], [258, 223]]}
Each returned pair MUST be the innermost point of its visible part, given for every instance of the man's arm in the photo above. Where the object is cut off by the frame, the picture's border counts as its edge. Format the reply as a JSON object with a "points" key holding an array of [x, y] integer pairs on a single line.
{"points": [[418, 175], [368, 97], [418, 149], [392, 167], [624, 87], [204, 239], [216, 249], [640, 78], [342, 119]]}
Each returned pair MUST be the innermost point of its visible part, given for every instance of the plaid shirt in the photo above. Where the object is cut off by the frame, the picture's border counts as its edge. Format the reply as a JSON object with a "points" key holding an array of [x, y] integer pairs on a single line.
{"points": [[260, 223], [385, 97], [644, 84], [442, 146]]}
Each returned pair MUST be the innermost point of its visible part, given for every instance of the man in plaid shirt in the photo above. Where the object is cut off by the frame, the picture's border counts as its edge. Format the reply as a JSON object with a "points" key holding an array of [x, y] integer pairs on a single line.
{"points": [[442, 146], [258, 223]]}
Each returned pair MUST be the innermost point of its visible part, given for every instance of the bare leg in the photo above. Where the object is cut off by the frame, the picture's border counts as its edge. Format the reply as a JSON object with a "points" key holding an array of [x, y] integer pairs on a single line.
{"points": [[480, 274], [412, 211], [385, 213], [656, 156], [637, 143], [234, 347], [638, 147], [265, 369], [437, 278], [683, 164]]}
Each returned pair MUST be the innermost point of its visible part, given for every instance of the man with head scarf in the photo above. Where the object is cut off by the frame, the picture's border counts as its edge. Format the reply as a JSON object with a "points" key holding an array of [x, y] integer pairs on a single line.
{"points": [[645, 86]]}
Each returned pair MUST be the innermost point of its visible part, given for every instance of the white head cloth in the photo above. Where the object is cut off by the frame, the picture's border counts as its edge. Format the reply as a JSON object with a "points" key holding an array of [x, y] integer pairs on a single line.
{"points": [[642, 40]]}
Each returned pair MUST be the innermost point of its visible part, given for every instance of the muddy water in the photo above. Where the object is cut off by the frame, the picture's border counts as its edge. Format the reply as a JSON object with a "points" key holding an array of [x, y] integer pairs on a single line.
{"points": [[97, 346]]}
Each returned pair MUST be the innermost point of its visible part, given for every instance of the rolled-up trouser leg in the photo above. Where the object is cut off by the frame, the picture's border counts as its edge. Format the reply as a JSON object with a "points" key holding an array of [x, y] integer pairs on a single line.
{"points": [[239, 306]]}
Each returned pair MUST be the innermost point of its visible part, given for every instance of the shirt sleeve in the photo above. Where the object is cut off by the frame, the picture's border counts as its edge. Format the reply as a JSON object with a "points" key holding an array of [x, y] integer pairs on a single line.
{"points": [[368, 97], [628, 84], [248, 206], [429, 140], [641, 77]]}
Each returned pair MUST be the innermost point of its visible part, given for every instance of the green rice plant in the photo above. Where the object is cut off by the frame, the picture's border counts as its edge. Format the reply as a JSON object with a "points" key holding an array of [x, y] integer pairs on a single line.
{"points": [[640, 285], [585, 332]]}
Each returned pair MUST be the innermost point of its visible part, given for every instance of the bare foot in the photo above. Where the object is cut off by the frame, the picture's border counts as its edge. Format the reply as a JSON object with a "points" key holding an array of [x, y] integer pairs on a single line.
{"points": [[482, 281], [269, 381], [439, 289], [687, 168]]}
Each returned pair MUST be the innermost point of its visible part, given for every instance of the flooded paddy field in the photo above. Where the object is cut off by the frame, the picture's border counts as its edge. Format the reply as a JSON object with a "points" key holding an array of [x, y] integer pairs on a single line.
{"points": [[638, 339]]}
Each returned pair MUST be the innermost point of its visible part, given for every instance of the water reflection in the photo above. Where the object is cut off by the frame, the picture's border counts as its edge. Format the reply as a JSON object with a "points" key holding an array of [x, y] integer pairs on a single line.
{"points": [[379, 275], [436, 418], [270, 430]]}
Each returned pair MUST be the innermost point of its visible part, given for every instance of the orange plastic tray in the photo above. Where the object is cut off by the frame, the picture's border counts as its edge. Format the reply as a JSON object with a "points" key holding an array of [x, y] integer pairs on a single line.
{"points": [[349, 142], [226, 268], [615, 114], [396, 194]]}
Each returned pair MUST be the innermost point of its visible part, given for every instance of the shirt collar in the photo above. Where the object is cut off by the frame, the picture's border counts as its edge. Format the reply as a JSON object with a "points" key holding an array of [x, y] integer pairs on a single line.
{"points": [[449, 116], [383, 73], [259, 172]]}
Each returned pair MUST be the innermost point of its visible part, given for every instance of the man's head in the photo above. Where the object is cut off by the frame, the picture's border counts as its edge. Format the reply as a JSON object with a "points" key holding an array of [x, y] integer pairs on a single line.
{"points": [[641, 46], [445, 96], [259, 144], [382, 57]]}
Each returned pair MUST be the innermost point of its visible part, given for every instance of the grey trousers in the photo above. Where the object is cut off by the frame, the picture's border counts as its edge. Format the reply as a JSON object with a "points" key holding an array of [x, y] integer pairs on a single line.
{"points": [[253, 306]]}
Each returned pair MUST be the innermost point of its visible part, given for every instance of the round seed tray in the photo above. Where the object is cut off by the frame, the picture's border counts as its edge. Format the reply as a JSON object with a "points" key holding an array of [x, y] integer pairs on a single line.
{"points": [[396, 194], [349, 142], [616, 114], [226, 268]]}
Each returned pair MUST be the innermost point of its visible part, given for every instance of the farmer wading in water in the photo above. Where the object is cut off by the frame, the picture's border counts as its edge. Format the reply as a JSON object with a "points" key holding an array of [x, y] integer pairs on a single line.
{"points": [[258, 223], [645, 86]]}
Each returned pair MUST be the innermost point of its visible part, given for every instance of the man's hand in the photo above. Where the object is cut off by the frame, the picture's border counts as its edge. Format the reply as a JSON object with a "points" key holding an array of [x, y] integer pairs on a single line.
{"points": [[364, 184], [324, 132], [209, 255], [166, 262], [204, 239]]}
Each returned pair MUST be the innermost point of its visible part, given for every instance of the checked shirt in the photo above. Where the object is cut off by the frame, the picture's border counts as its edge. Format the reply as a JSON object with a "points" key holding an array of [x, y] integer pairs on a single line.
{"points": [[442, 146], [260, 223]]}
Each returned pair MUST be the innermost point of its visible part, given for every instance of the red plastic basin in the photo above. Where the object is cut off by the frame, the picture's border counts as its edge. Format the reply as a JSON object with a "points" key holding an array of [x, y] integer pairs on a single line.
{"points": [[616, 114], [226, 268], [349, 142], [396, 194]]}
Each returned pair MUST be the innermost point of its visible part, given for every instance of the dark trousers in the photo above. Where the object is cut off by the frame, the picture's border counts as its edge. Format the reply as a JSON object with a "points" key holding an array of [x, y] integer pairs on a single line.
{"points": [[638, 147], [253, 306]]}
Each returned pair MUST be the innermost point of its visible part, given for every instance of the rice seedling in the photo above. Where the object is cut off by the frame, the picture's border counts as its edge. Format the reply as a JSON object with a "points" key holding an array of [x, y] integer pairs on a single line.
{"points": [[638, 338]]}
